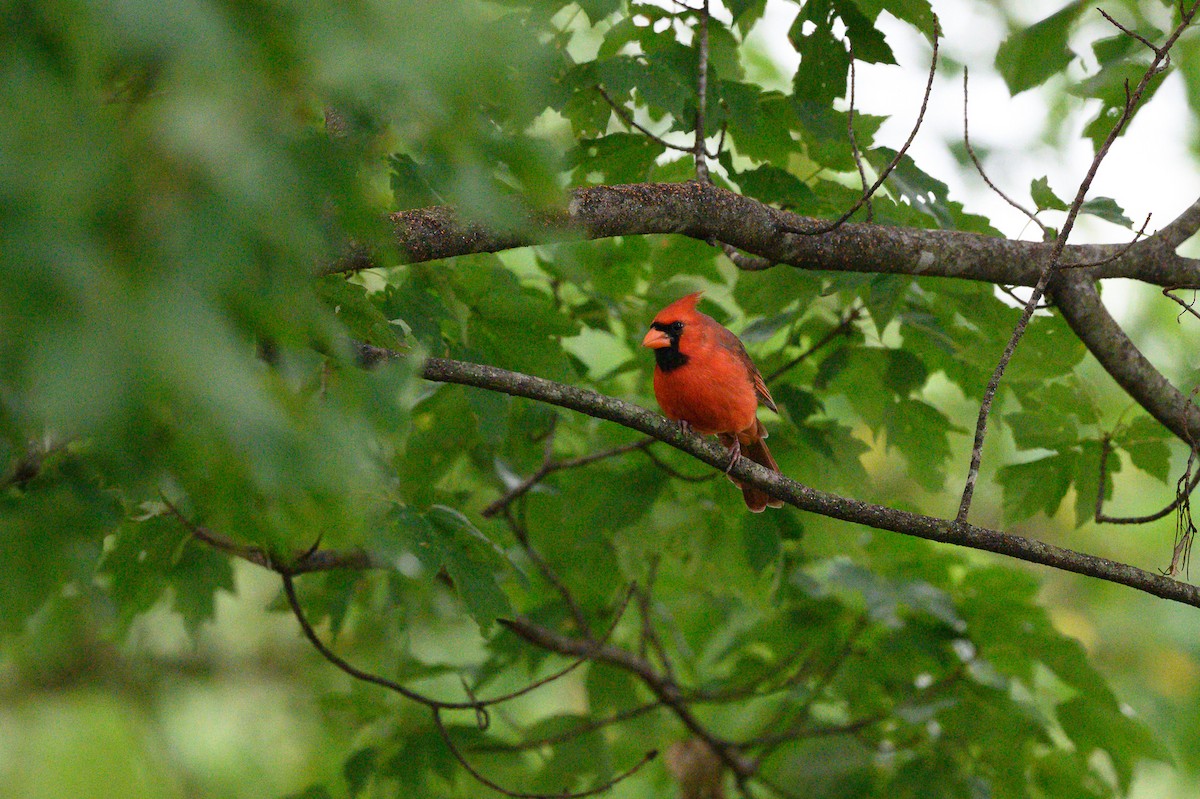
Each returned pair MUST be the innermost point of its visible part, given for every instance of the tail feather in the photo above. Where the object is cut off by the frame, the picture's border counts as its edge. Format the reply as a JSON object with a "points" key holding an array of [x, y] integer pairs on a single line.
{"points": [[756, 450], [756, 499]]}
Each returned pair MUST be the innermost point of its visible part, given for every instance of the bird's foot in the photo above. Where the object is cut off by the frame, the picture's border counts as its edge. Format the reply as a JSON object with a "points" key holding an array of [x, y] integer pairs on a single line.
{"points": [[735, 454]]}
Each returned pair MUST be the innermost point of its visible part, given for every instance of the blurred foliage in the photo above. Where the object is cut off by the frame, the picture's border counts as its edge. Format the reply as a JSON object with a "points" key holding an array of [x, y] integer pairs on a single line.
{"points": [[172, 189]]}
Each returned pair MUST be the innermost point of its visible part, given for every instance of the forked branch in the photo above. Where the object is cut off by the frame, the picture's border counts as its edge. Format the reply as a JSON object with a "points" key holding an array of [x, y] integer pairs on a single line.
{"points": [[1132, 100]]}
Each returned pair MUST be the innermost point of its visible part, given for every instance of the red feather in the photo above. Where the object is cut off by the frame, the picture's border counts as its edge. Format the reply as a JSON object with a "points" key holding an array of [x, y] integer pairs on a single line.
{"points": [[703, 376]]}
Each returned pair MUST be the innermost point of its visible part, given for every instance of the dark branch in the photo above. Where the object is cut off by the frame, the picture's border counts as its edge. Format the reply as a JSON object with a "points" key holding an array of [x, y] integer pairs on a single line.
{"points": [[796, 494], [1132, 99], [1079, 302], [628, 119], [802, 496], [710, 213], [1185, 489], [665, 690], [478, 775]]}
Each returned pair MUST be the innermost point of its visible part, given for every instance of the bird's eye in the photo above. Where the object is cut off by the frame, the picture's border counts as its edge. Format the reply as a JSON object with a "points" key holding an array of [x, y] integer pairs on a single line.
{"points": [[676, 327]]}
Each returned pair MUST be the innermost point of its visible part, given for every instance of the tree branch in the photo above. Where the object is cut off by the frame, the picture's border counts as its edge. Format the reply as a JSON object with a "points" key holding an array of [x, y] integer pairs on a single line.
{"points": [[1132, 100], [665, 690], [802, 496], [1079, 302], [710, 213]]}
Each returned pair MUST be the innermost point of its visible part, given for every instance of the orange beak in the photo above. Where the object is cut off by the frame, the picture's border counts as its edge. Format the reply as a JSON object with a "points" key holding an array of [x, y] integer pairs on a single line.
{"points": [[656, 339]]}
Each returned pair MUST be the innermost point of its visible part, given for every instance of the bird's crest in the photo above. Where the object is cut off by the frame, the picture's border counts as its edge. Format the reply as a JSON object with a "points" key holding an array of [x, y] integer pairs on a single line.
{"points": [[682, 306]]}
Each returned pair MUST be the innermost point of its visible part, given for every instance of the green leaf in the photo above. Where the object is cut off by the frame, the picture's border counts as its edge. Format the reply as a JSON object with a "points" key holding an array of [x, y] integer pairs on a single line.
{"points": [[616, 158], [1108, 210], [837, 767], [359, 768], [763, 535], [760, 122], [799, 403], [1109, 86], [917, 13], [445, 538], [352, 306], [1146, 442], [824, 63], [869, 44], [1044, 197], [746, 13], [1048, 349], [597, 10], [775, 186], [50, 535], [1045, 428], [1031, 56], [920, 432], [1092, 725], [1037, 486]]}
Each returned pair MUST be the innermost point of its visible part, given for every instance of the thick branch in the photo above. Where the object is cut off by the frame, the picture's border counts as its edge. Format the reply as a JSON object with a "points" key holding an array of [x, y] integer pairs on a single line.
{"points": [[802, 496], [1079, 301], [710, 213]]}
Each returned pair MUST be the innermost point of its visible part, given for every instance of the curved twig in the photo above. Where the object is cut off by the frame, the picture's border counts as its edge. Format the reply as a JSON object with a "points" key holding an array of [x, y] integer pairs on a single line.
{"points": [[628, 119], [979, 167], [1184, 490], [858, 161], [550, 466], [480, 706], [698, 152], [1137, 237], [480, 777], [887, 170], [847, 322], [1055, 258]]}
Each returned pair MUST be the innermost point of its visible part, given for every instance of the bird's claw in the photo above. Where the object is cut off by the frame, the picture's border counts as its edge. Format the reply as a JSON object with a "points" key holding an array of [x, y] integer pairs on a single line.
{"points": [[735, 455]]}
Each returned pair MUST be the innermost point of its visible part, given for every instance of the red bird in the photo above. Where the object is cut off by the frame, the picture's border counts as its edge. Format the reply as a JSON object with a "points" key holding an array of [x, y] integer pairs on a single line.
{"points": [[704, 378]]}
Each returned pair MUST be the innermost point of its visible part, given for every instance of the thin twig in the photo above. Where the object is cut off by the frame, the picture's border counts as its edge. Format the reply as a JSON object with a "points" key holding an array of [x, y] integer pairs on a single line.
{"points": [[548, 572], [771, 741], [818, 230], [474, 772], [1132, 100], [289, 590], [1166, 57], [1188, 307], [1011, 294], [649, 634], [629, 120], [478, 705], [745, 261], [575, 732], [1137, 237], [665, 690], [979, 168], [698, 150], [842, 327], [550, 466], [858, 161], [1190, 482]]}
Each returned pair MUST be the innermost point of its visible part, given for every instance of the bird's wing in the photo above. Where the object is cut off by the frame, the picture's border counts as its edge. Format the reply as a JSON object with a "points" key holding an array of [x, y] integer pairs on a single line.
{"points": [[733, 344]]}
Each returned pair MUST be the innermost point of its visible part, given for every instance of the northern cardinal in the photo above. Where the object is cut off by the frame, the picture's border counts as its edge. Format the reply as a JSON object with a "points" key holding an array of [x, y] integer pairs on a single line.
{"points": [[704, 378]]}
